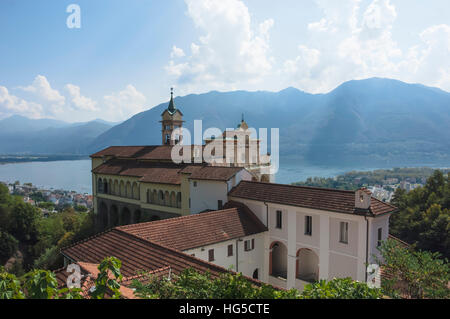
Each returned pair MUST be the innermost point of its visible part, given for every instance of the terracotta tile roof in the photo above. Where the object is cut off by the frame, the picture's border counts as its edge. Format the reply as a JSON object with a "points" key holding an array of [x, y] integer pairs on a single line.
{"points": [[310, 197], [136, 254], [89, 273], [146, 171], [164, 173], [187, 232], [215, 173], [152, 152]]}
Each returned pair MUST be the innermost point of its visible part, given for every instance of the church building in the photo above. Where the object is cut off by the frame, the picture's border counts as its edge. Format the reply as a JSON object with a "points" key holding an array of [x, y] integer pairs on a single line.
{"points": [[224, 216]]}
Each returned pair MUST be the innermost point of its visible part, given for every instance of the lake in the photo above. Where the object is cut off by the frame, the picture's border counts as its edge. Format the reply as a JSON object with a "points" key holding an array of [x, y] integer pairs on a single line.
{"points": [[76, 175]]}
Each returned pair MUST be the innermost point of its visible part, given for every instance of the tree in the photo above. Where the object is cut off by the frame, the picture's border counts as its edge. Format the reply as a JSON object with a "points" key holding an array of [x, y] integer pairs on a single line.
{"points": [[8, 246], [106, 283], [340, 288], [423, 219], [418, 274]]}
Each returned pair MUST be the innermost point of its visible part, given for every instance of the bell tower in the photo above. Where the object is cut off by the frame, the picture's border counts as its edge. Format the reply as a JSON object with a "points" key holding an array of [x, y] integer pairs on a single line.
{"points": [[172, 118]]}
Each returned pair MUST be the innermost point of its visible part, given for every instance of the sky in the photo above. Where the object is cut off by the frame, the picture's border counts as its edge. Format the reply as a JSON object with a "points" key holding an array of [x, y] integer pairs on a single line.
{"points": [[125, 55]]}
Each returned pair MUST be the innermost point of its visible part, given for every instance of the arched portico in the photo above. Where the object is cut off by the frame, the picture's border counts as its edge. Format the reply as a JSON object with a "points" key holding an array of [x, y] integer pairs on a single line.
{"points": [[307, 266], [278, 260]]}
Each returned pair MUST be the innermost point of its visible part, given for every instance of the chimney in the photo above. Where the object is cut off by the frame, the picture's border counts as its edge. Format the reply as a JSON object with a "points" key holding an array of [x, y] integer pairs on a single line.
{"points": [[362, 198]]}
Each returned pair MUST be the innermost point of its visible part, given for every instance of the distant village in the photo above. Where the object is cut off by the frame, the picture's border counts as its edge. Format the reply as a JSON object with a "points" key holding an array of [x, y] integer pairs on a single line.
{"points": [[50, 200], [385, 191]]}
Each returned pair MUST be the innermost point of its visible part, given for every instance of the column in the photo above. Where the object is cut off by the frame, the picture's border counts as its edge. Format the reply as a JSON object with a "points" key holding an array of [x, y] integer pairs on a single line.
{"points": [[292, 248], [324, 246]]}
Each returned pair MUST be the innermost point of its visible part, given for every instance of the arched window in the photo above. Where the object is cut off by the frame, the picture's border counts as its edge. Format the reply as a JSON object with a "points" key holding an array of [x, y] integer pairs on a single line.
{"points": [[179, 199], [255, 274], [173, 199], [149, 199], [100, 186], [161, 197]]}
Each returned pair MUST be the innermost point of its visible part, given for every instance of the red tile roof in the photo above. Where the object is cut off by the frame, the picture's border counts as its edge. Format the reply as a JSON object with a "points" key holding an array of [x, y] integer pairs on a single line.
{"points": [[138, 254], [310, 197], [152, 152], [163, 173], [187, 232], [215, 173]]}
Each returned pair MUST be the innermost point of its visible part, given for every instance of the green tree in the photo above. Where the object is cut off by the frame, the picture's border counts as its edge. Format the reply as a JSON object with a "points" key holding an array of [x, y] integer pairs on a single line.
{"points": [[424, 273], [106, 283], [8, 246], [340, 288]]}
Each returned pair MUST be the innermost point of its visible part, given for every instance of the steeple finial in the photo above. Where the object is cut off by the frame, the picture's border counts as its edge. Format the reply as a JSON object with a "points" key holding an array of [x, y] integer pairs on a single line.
{"points": [[242, 117], [171, 108]]}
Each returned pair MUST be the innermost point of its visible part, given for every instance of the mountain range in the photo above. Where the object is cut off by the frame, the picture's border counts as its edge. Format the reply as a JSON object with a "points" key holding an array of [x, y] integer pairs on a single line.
{"points": [[365, 122]]}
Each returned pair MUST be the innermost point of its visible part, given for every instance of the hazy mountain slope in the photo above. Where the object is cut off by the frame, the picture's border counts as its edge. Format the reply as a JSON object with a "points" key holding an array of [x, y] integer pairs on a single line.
{"points": [[368, 121], [70, 139]]}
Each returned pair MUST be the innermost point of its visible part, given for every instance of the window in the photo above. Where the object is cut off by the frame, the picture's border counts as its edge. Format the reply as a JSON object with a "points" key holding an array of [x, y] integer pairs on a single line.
{"points": [[219, 204], [167, 139], [195, 183], [230, 250], [249, 244], [167, 127], [380, 236], [279, 221], [343, 233], [211, 255], [308, 225]]}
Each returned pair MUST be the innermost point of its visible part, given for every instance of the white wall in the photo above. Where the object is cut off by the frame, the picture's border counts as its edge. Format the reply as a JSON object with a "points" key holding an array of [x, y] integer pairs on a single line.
{"points": [[248, 261], [206, 195], [335, 259], [375, 223]]}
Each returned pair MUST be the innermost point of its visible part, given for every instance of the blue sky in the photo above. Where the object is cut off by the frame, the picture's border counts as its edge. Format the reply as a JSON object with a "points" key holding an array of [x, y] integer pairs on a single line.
{"points": [[127, 54]]}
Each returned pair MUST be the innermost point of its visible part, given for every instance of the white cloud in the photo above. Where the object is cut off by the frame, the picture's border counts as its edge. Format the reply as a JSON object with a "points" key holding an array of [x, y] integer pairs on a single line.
{"points": [[124, 104], [229, 53], [78, 101], [42, 89], [10, 105], [177, 52], [352, 42]]}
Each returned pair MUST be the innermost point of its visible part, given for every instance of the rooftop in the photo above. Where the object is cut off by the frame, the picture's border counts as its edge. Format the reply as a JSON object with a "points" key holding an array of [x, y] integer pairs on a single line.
{"points": [[192, 231], [340, 201]]}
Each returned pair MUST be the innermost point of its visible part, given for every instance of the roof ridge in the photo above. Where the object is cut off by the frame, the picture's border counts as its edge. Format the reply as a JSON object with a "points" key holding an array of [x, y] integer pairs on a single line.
{"points": [[173, 219], [300, 186]]}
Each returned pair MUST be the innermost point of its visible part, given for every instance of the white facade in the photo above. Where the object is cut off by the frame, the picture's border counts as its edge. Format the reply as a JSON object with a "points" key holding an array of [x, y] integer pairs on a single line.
{"points": [[206, 194], [293, 258], [247, 261]]}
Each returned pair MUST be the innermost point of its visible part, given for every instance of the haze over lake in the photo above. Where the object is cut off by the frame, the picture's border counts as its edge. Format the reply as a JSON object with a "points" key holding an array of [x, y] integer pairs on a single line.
{"points": [[76, 175]]}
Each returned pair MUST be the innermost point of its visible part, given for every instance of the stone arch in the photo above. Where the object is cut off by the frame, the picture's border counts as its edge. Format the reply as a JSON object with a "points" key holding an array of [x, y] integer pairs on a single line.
{"points": [[122, 189], [128, 192], [161, 197], [307, 265], [155, 196], [100, 185], [125, 216], [166, 198], [103, 215], [179, 199], [278, 260], [110, 186], [173, 199], [137, 216], [135, 190], [116, 187], [114, 216]]}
